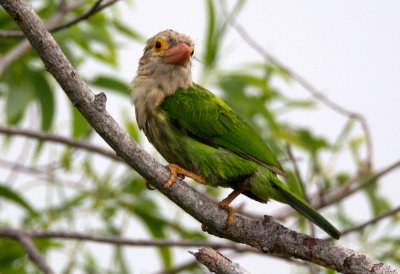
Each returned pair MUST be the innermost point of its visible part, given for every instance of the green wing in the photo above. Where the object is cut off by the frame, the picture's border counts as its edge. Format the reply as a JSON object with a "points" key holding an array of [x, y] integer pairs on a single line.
{"points": [[206, 118]]}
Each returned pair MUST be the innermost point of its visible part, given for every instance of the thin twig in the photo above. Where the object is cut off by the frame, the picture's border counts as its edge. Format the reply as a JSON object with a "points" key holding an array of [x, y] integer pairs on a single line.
{"points": [[26, 169], [34, 254], [305, 84], [92, 11], [217, 263], [95, 9], [341, 192], [45, 136], [117, 240], [179, 268], [29, 247], [338, 194], [23, 46], [372, 221]]}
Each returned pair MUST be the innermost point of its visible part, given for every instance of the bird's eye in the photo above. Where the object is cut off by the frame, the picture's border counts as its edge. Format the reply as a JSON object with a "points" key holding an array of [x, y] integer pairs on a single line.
{"points": [[159, 45], [192, 52]]}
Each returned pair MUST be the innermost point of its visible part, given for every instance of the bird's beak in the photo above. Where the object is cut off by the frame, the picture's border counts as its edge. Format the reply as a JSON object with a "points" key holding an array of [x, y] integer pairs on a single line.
{"points": [[178, 55]]}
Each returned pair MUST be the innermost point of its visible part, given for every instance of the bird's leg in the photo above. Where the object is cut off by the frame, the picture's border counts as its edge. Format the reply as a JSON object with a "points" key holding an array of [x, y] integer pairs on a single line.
{"points": [[177, 171], [225, 205]]}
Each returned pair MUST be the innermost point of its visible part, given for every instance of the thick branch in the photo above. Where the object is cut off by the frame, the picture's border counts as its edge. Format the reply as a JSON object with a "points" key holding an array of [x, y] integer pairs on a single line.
{"points": [[217, 263], [45, 136], [267, 236]]}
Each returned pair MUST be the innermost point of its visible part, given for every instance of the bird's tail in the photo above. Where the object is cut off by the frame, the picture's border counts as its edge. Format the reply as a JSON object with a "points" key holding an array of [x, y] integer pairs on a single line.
{"points": [[305, 209]]}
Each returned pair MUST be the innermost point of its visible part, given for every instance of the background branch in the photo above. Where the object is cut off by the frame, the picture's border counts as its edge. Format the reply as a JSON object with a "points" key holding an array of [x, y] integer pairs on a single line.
{"points": [[118, 240], [98, 6], [45, 136], [372, 221], [6, 232], [52, 25], [29, 247], [217, 263], [347, 189]]}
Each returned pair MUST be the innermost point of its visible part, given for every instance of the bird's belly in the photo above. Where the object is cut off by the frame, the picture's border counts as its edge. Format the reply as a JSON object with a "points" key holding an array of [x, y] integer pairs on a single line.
{"points": [[217, 166]]}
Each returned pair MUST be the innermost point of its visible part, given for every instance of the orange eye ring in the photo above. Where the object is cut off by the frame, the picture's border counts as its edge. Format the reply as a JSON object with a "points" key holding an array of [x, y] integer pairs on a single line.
{"points": [[159, 44]]}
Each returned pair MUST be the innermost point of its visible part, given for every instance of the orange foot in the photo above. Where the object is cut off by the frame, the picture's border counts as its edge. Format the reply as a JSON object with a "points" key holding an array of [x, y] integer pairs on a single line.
{"points": [[179, 171], [224, 204]]}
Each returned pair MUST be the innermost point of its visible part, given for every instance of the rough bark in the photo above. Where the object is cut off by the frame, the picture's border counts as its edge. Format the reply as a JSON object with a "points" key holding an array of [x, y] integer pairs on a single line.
{"points": [[265, 235], [217, 263]]}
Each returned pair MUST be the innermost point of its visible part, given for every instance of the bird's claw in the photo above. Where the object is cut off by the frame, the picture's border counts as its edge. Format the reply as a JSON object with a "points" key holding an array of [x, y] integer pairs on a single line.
{"points": [[181, 173], [231, 212]]}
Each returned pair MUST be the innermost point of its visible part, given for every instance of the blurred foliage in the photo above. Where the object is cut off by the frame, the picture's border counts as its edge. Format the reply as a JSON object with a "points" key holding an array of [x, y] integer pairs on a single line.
{"points": [[109, 192]]}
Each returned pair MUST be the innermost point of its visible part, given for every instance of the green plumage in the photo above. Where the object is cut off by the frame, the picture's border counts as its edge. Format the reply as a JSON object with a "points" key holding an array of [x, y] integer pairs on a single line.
{"points": [[199, 132]]}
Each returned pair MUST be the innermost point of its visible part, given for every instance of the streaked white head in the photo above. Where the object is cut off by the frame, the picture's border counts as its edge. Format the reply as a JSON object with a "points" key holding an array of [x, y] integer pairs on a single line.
{"points": [[164, 67]]}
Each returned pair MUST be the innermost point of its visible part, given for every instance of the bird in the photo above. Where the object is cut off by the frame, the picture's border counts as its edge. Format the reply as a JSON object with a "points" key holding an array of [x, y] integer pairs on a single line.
{"points": [[200, 136]]}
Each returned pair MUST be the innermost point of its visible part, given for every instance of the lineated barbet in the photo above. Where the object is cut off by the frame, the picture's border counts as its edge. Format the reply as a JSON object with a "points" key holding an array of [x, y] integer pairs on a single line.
{"points": [[200, 135]]}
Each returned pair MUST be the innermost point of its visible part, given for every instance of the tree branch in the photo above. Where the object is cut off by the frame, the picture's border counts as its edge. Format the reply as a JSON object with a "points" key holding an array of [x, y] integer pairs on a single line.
{"points": [[267, 235], [24, 168], [372, 221], [217, 263], [29, 247], [45, 136], [63, 9], [116, 240], [343, 191], [98, 6]]}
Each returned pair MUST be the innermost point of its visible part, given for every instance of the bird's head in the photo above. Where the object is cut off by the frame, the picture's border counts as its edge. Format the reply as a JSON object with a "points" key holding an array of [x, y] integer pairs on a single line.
{"points": [[167, 52], [164, 68], [169, 47]]}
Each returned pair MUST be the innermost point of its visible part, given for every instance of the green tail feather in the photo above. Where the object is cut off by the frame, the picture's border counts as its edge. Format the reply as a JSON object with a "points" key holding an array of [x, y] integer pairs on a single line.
{"points": [[307, 211]]}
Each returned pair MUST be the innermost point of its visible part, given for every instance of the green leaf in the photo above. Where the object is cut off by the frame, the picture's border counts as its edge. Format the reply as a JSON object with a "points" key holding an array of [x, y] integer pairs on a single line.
{"points": [[294, 184], [45, 96], [18, 98], [216, 30], [356, 147], [378, 204], [13, 196], [80, 127], [130, 125], [128, 31], [8, 260], [211, 43], [112, 83], [305, 139], [66, 158]]}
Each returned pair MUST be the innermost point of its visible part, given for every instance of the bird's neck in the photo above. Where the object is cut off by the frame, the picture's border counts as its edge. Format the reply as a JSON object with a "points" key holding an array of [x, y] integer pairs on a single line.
{"points": [[149, 89]]}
